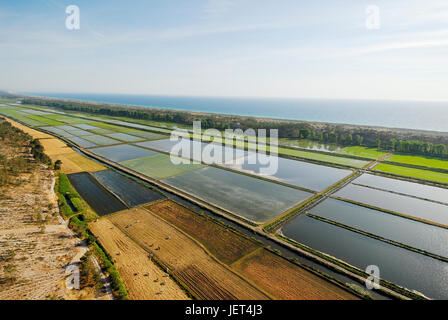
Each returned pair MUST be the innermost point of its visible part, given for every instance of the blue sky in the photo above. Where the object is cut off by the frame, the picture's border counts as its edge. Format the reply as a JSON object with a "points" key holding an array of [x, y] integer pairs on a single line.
{"points": [[258, 48]]}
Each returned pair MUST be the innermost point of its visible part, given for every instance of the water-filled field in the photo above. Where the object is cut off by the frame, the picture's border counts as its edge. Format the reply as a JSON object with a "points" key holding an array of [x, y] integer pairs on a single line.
{"points": [[86, 126], [122, 152], [409, 269], [405, 187], [323, 157], [81, 142], [137, 126], [196, 150], [251, 198], [413, 233], [111, 128], [124, 137], [79, 133], [67, 119], [99, 199], [159, 166], [298, 173], [130, 191], [403, 204], [101, 140], [308, 144]]}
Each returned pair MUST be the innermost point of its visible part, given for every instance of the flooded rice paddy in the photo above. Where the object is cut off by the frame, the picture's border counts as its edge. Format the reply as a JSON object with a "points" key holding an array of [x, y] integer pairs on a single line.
{"points": [[251, 198], [98, 198], [403, 267], [404, 187], [403, 204], [122, 152], [413, 233], [127, 189]]}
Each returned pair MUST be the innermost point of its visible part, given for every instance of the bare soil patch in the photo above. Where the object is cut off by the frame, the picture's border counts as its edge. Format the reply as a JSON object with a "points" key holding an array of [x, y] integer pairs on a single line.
{"points": [[186, 260], [143, 279], [287, 281], [222, 242]]}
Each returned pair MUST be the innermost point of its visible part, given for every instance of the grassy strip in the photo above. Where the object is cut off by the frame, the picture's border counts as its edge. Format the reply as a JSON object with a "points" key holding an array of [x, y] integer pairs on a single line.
{"points": [[65, 189], [384, 283], [392, 212], [416, 166], [374, 236], [417, 174]]}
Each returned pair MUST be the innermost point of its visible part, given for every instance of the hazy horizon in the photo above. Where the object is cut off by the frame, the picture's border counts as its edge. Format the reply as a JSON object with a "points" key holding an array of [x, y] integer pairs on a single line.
{"points": [[349, 49]]}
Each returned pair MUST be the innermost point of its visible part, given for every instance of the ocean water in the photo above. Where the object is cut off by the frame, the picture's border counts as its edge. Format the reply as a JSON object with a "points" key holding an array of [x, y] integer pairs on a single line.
{"points": [[385, 113]]}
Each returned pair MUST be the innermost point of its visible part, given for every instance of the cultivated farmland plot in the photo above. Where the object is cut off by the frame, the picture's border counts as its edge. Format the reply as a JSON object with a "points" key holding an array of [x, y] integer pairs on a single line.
{"points": [[124, 137], [159, 166], [101, 140], [166, 145], [404, 187], [81, 142], [122, 152], [413, 233], [402, 204], [412, 270], [99, 199], [201, 273], [412, 172], [298, 173], [80, 133], [251, 198], [130, 191]]}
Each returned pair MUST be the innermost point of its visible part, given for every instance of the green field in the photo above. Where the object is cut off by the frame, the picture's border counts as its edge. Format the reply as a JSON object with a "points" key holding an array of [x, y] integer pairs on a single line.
{"points": [[15, 113], [420, 161], [413, 173], [46, 121], [112, 127], [323, 157], [159, 166], [364, 152], [67, 119]]}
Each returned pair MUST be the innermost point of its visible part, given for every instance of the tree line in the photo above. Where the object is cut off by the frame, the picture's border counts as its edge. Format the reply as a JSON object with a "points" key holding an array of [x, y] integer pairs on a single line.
{"points": [[324, 133]]}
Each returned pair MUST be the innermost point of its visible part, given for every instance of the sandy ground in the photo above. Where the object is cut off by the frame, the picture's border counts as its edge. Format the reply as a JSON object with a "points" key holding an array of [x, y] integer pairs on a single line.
{"points": [[38, 251]]}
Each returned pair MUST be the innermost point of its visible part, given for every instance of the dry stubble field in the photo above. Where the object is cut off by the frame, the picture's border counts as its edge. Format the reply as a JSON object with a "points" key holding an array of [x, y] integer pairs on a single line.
{"points": [[286, 281], [204, 276], [222, 242], [142, 278], [275, 275]]}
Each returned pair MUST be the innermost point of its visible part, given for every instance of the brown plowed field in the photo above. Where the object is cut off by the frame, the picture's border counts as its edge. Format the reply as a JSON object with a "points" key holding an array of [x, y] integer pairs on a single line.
{"points": [[185, 258], [133, 263], [222, 242], [285, 280]]}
